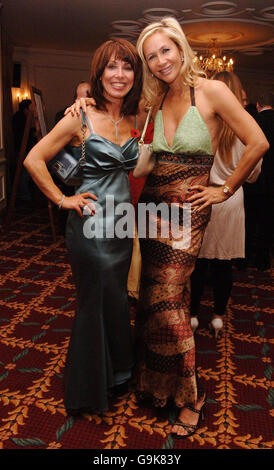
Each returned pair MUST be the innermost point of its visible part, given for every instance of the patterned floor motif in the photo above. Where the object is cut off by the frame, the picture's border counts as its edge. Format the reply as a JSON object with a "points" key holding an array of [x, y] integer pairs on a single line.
{"points": [[37, 302]]}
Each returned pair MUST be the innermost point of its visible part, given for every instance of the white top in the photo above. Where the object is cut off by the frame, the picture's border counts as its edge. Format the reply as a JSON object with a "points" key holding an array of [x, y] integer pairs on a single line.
{"points": [[224, 236]]}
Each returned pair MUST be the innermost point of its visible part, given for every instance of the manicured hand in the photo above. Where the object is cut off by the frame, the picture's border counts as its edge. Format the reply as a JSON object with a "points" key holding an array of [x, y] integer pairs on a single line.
{"points": [[206, 196], [80, 103], [79, 201]]}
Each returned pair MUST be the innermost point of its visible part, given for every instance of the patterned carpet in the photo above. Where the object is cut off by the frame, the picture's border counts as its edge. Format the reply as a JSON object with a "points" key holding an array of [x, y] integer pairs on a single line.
{"points": [[37, 302]]}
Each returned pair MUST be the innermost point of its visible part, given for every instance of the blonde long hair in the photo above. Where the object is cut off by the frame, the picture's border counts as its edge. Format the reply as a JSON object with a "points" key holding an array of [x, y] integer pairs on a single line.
{"points": [[227, 137], [153, 88]]}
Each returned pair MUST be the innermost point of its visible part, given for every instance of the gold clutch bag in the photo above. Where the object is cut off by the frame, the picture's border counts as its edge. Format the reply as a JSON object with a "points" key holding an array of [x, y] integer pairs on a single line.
{"points": [[146, 159]]}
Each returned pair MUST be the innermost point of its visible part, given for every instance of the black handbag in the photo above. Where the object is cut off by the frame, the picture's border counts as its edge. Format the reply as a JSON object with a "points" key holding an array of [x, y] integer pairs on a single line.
{"points": [[66, 165]]}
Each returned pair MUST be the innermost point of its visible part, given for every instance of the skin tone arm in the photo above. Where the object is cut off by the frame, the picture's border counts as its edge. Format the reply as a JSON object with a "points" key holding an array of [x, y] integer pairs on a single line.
{"points": [[37, 159], [81, 103], [226, 105]]}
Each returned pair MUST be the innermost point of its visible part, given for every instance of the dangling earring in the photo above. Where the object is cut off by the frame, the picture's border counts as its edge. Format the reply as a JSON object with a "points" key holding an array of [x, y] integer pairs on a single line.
{"points": [[183, 59], [152, 75]]}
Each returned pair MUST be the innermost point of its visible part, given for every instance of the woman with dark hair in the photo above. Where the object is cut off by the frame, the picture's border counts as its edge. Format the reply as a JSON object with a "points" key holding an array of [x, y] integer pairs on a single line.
{"points": [[100, 351]]}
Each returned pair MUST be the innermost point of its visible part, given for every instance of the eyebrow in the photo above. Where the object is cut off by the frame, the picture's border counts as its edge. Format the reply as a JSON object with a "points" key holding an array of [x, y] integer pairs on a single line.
{"points": [[161, 47], [126, 60]]}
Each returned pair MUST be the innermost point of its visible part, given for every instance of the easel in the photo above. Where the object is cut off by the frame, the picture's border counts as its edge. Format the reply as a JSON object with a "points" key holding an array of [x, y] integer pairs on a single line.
{"points": [[21, 157]]}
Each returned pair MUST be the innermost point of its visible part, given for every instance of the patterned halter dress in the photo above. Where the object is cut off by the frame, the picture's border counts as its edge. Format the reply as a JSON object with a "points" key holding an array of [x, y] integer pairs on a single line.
{"points": [[164, 342]]}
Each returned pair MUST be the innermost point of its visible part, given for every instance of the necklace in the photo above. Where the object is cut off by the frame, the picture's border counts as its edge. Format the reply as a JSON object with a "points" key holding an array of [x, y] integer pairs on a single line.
{"points": [[115, 124]]}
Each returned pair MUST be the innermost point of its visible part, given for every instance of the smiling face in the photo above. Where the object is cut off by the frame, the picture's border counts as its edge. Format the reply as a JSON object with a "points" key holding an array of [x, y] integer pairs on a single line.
{"points": [[163, 57], [116, 73], [117, 78]]}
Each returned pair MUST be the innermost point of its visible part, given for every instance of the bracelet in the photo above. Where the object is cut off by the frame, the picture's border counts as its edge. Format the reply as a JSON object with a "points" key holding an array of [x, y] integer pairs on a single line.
{"points": [[61, 202]]}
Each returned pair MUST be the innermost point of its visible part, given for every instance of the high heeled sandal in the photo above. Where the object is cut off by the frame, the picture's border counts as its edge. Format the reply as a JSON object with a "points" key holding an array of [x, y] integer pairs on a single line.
{"points": [[216, 324], [190, 428], [194, 323]]}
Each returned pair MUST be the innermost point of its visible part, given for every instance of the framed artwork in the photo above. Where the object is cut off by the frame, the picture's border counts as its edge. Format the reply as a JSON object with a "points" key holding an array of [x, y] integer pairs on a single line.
{"points": [[39, 111], [2, 187], [1, 98]]}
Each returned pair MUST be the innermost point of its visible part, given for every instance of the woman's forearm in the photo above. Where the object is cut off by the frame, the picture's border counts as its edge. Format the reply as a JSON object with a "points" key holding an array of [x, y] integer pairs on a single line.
{"points": [[38, 157], [251, 155], [38, 171]]}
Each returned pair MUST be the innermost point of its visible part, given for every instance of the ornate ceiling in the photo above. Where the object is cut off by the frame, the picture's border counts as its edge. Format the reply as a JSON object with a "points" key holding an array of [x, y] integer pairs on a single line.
{"points": [[243, 28], [246, 30]]}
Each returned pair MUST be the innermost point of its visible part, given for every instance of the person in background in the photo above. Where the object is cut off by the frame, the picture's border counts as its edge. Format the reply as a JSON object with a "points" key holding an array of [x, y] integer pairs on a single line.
{"points": [[82, 90], [19, 119], [244, 98], [242, 263], [224, 238], [251, 108], [259, 200]]}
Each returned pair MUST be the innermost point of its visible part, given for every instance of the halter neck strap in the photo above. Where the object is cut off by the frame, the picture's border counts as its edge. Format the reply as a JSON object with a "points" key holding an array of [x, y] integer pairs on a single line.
{"points": [[192, 97], [164, 98]]}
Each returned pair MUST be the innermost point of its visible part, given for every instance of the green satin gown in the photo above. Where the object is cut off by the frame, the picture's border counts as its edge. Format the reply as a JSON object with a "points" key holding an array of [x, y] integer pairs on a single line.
{"points": [[100, 350]]}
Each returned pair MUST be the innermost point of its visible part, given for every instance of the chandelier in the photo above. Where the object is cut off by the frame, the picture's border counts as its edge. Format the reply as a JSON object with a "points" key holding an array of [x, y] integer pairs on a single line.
{"points": [[214, 62]]}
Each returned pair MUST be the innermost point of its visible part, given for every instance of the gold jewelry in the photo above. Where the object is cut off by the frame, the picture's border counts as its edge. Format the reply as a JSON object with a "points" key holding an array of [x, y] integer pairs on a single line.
{"points": [[227, 190], [115, 124]]}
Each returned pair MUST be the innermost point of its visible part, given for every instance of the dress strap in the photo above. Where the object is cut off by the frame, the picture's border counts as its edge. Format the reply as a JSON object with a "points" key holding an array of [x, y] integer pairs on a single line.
{"points": [[85, 120], [192, 96], [164, 98]]}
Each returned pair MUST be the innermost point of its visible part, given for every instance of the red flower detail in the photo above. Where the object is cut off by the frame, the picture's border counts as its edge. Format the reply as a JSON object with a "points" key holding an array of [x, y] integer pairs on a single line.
{"points": [[135, 133]]}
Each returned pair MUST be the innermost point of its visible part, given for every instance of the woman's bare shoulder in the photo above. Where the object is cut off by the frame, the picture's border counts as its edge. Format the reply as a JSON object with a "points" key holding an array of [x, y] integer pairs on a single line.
{"points": [[212, 87], [93, 113], [209, 85], [214, 92]]}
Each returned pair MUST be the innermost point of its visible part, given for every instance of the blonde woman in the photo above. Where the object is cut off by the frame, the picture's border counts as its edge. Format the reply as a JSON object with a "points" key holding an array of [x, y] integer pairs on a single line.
{"points": [[224, 238], [189, 113]]}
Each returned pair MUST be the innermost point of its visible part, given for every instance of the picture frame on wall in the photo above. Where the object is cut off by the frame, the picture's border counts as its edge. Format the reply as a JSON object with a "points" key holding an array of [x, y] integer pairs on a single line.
{"points": [[2, 187], [1, 98], [3, 162], [39, 112]]}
